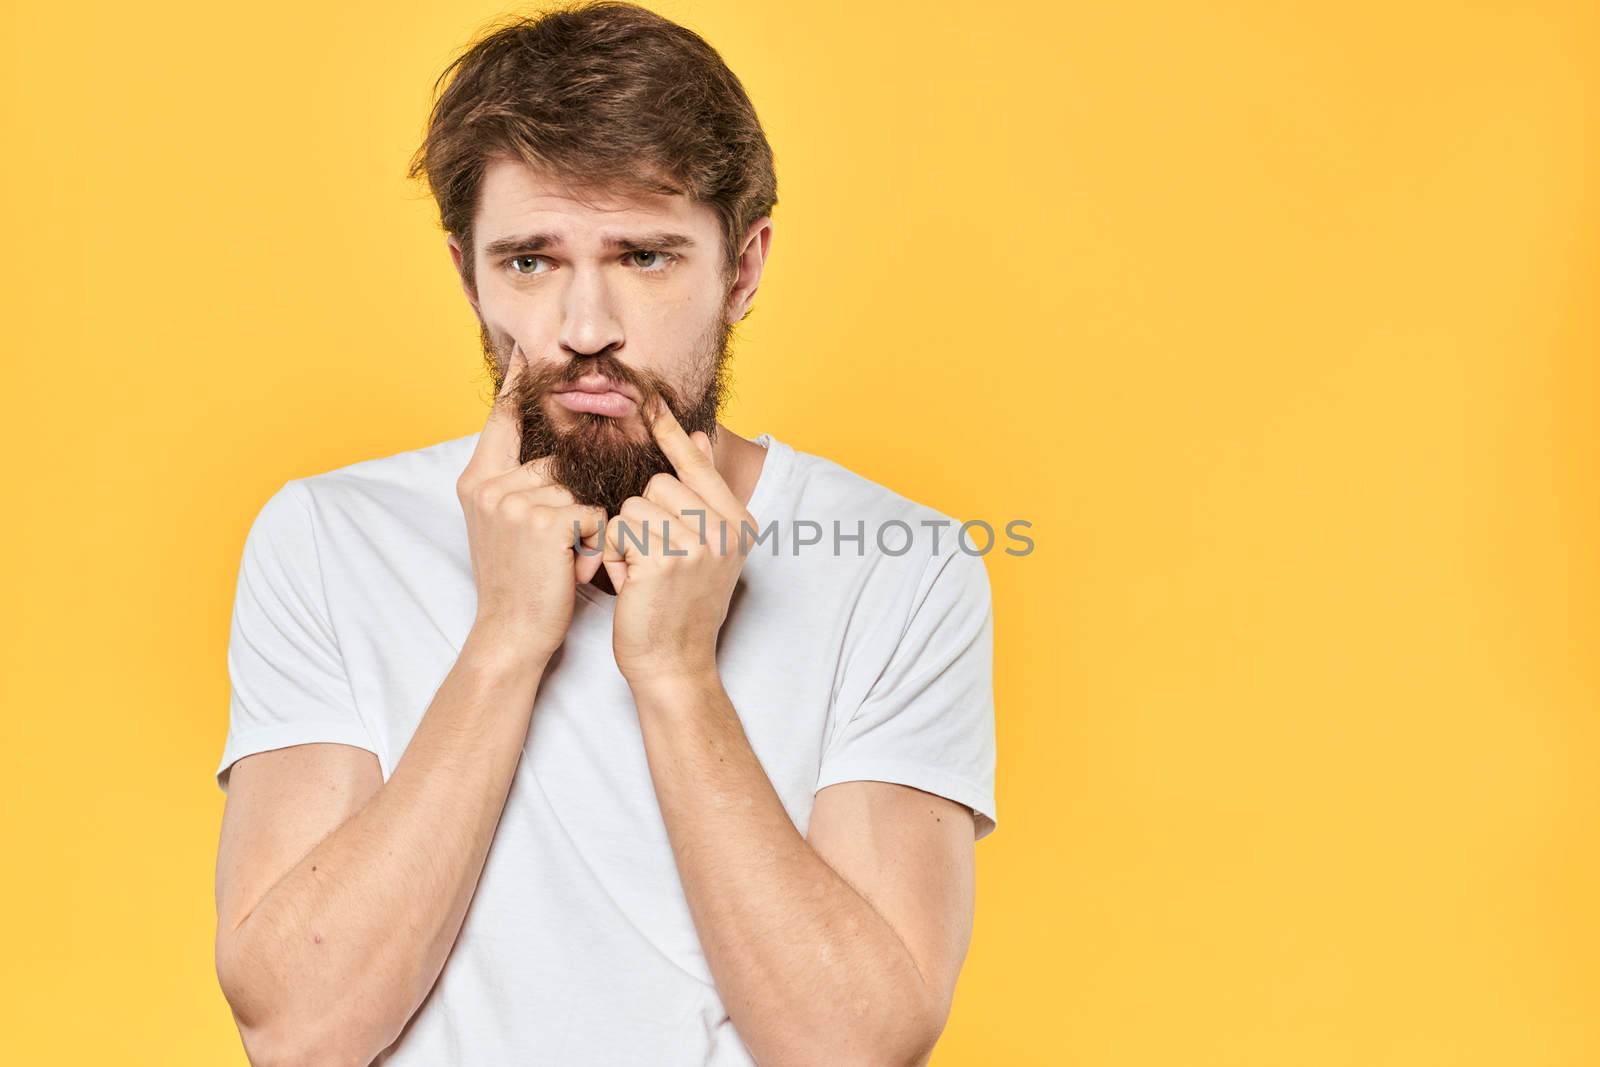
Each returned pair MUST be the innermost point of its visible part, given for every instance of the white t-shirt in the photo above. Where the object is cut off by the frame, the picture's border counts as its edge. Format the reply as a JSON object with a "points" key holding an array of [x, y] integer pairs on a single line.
{"points": [[872, 662]]}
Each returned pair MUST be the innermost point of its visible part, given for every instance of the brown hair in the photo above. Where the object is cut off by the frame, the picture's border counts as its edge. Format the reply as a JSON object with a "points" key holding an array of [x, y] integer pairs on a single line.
{"points": [[603, 95]]}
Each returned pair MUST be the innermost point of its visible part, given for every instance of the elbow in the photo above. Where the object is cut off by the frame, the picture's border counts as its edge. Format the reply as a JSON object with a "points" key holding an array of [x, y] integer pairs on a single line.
{"points": [[281, 1035], [262, 1046], [298, 1043], [903, 1036], [923, 1028]]}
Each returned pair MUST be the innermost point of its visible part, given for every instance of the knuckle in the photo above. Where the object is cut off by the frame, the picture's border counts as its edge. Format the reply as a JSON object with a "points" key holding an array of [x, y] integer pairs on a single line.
{"points": [[513, 507], [543, 468]]}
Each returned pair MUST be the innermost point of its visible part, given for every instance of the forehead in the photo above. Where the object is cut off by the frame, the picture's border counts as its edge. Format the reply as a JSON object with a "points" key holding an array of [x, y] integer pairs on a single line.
{"points": [[515, 199]]}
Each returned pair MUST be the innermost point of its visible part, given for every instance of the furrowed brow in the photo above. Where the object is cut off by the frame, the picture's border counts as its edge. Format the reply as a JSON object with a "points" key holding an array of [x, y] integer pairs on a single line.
{"points": [[539, 242]]}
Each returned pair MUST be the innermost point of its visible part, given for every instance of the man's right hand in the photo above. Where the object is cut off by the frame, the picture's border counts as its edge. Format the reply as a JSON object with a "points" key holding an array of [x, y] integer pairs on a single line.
{"points": [[308, 959], [520, 528]]}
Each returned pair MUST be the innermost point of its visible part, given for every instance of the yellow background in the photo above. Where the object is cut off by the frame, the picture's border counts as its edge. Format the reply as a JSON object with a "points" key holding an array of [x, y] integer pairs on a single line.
{"points": [[1277, 322]]}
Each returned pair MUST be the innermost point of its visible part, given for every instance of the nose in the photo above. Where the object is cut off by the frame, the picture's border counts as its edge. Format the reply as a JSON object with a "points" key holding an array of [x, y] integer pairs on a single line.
{"points": [[589, 322]]}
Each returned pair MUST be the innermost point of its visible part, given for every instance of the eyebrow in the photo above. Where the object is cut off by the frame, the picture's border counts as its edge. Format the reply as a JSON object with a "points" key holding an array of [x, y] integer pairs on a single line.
{"points": [[538, 242]]}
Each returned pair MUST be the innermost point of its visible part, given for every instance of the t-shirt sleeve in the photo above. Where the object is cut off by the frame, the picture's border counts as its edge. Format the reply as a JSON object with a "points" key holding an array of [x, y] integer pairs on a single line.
{"points": [[928, 719], [287, 678]]}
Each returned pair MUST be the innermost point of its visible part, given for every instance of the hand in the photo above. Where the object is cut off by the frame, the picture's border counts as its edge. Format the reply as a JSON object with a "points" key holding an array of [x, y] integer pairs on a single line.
{"points": [[520, 529], [673, 593]]}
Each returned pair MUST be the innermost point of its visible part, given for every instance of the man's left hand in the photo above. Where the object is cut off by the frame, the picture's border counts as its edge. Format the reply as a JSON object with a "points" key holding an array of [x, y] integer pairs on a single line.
{"points": [[675, 569]]}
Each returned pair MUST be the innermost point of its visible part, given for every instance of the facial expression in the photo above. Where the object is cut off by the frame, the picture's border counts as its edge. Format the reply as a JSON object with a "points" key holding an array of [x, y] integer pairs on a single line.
{"points": [[614, 298]]}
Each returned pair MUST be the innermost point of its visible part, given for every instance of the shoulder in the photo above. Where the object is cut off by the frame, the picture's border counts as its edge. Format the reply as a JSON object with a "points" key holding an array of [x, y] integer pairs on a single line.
{"points": [[889, 544], [406, 486], [822, 487], [427, 471], [823, 490], [414, 488]]}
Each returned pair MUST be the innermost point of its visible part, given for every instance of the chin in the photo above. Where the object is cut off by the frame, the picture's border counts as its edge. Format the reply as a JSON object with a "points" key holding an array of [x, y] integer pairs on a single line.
{"points": [[589, 424]]}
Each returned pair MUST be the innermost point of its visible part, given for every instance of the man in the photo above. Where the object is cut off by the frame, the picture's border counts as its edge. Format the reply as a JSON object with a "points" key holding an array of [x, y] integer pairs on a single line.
{"points": [[529, 760]]}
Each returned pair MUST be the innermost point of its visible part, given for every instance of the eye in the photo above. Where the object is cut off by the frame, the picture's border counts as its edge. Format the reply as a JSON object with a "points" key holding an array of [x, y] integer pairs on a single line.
{"points": [[666, 259], [514, 260]]}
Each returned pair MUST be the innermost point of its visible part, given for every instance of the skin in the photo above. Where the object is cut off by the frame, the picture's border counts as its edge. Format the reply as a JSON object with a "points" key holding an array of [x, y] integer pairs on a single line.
{"points": [[840, 946]]}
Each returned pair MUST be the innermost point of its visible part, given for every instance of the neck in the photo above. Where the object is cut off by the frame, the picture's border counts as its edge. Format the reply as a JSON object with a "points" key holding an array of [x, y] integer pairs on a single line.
{"points": [[739, 461]]}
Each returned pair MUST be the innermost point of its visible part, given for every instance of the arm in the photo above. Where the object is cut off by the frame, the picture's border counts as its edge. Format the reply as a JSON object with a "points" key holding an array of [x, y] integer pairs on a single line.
{"points": [[340, 896], [809, 967], [329, 963], [840, 948]]}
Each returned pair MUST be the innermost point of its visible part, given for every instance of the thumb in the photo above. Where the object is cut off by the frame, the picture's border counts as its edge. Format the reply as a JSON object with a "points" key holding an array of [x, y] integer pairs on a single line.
{"points": [[618, 573], [588, 561], [613, 557]]}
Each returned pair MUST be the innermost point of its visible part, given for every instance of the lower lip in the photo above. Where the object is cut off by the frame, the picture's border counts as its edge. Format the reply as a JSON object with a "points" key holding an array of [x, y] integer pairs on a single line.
{"points": [[613, 404]]}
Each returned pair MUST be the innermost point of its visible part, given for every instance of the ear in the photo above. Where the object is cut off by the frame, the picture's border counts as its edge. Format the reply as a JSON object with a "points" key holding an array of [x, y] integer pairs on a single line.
{"points": [[752, 258], [458, 257]]}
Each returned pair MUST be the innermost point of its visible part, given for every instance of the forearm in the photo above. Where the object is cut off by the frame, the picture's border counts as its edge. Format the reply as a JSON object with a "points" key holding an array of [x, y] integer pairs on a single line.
{"points": [[339, 954], [808, 970]]}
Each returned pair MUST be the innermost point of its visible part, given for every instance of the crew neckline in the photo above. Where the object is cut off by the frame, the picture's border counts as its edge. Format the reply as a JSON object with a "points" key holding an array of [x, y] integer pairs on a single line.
{"points": [[774, 471]]}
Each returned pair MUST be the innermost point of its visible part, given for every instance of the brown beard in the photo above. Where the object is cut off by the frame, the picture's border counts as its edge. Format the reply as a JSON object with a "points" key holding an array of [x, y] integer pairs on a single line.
{"points": [[597, 458]]}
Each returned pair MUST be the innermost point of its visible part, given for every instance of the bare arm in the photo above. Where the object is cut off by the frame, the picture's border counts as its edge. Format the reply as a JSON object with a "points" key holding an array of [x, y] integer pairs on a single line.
{"points": [[340, 896], [840, 947], [329, 964]]}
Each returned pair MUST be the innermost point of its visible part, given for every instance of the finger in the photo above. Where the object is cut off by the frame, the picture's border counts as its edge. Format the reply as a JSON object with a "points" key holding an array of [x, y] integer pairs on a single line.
{"points": [[656, 527], [587, 524], [691, 465], [534, 474], [590, 557], [702, 441], [499, 446], [627, 535], [677, 498], [638, 531], [533, 478], [612, 557], [692, 518], [584, 520]]}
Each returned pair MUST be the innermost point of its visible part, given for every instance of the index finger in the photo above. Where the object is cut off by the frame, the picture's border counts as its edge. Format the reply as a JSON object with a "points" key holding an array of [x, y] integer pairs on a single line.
{"points": [[499, 447], [690, 464]]}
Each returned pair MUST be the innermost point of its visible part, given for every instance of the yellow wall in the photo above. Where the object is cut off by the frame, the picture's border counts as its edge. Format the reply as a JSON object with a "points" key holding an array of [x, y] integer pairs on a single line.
{"points": [[1277, 321]]}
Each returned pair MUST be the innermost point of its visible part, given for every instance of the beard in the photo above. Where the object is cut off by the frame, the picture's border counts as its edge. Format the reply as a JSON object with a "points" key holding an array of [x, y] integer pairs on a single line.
{"points": [[599, 459]]}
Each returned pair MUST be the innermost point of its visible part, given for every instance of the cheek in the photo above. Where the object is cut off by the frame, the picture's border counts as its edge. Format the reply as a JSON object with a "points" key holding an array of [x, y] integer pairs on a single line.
{"points": [[510, 318], [677, 323]]}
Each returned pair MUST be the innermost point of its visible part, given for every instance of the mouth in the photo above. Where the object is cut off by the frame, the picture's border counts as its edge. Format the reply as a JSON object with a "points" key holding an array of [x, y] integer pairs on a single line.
{"points": [[597, 396]]}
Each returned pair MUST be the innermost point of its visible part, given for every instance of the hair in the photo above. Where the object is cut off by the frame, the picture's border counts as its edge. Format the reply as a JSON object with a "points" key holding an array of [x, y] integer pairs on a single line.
{"points": [[603, 96]]}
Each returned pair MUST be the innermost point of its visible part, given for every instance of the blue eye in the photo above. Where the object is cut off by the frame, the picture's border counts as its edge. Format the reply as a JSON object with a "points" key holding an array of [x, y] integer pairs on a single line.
{"points": [[664, 258], [659, 264]]}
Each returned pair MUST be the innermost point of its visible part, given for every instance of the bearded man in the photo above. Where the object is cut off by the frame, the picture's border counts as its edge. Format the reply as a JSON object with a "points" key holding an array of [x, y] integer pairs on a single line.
{"points": [[570, 740]]}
